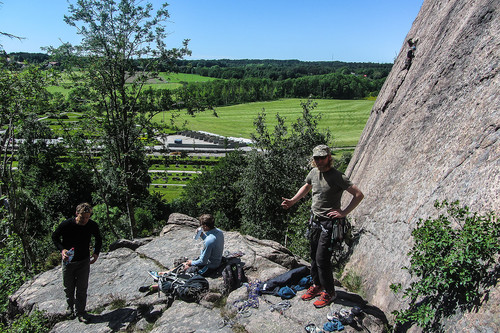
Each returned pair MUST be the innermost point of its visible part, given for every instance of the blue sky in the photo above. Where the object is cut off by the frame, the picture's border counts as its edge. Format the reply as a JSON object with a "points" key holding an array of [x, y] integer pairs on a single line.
{"points": [[323, 30]]}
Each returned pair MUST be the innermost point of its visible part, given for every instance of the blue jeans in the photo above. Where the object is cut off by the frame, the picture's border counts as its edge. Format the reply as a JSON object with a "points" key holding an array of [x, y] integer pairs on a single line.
{"points": [[76, 278]]}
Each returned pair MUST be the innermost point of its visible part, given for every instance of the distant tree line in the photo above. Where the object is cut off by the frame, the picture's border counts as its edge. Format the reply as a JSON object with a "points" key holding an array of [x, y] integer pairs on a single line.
{"points": [[237, 91], [31, 58], [277, 70]]}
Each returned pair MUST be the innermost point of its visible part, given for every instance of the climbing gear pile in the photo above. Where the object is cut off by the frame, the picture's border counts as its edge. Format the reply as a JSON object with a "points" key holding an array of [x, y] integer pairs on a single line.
{"points": [[280, 307], [344, 316], [252, 301], [312, 328]]}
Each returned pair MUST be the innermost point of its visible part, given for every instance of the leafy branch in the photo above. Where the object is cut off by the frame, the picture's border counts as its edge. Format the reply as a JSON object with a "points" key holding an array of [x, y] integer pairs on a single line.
{"points": [[455, 261]]}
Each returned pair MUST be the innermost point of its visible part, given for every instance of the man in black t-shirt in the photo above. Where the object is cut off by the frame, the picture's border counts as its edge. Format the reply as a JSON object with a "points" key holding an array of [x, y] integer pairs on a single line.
{"points": [[75, 233]]}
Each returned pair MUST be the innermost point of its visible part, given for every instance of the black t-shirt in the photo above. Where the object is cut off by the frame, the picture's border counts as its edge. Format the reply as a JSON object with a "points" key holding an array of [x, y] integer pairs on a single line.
{"points": [[77, 236]]}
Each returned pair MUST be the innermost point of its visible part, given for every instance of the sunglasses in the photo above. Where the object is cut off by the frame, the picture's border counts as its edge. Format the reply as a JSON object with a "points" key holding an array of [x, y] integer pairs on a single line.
{"points": [[316, 158]]}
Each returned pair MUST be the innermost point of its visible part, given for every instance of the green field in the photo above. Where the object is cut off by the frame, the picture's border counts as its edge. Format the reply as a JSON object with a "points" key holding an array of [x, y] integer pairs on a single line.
{"points": [[165, 81], [168, 193], [345, 118]]}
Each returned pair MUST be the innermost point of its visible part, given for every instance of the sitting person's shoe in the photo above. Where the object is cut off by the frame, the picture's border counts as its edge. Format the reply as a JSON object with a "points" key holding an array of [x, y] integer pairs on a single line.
{"points": [[312, 292], [325, 299], [143, 289]]}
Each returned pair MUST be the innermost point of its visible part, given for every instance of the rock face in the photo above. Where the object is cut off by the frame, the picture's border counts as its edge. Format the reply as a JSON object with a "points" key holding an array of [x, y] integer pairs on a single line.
{"points": [[433, 134], [116, 304]]}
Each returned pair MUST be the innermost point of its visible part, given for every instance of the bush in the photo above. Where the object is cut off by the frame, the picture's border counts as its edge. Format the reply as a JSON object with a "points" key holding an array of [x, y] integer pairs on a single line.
{"points": [[12, 271], [35, 322], [454, 261]]}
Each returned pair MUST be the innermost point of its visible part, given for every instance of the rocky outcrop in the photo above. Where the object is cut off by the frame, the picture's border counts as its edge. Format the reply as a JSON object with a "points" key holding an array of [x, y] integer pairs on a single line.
{"points": [[117, 305], [433, 134]]}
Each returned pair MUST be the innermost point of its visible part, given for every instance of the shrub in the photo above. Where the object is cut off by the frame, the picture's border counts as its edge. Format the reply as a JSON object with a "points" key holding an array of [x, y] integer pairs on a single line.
{"points": [[35, 322], [12, 271], [454, 262]]}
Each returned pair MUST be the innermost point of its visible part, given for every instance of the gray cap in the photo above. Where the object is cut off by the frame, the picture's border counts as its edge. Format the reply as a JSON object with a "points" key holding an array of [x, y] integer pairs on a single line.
{"points": [[321, 150]]}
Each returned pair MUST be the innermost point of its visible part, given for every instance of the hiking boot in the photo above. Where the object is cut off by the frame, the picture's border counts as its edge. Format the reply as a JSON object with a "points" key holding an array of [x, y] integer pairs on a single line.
{"points": [[324, 299], [312, 292], [84, 318], [70, 313]]}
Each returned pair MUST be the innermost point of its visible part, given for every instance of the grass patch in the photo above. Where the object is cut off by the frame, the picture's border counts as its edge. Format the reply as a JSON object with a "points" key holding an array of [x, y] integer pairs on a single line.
{"points": [[345, 118], [182, 77], [168, 193], [117, 303], [353, 283]]}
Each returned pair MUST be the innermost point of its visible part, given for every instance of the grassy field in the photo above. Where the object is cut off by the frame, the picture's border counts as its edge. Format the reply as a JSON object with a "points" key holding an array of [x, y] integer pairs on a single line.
{"points": [[345, 118], [166, 81], [168, 193]]}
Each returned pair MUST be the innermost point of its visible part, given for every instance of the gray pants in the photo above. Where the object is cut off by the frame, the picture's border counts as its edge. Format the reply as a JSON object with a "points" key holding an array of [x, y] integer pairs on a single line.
{"points": [[76, 277]]}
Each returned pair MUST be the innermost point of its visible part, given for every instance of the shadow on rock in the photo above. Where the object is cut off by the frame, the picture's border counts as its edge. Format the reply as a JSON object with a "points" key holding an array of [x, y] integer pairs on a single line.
{"points": [[350, 299], [117, 319]]}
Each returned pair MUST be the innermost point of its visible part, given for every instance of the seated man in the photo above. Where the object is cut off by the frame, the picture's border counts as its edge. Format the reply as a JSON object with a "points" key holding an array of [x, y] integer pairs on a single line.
{"points": [[211, 254], [213, 247]]}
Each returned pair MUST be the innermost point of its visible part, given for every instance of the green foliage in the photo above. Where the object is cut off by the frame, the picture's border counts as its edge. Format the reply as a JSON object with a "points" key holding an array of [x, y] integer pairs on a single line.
{"points": [[353, 283], [454, 262], [297, 231], [216, 191], [112, 223], [34, 322], [12, 271]]}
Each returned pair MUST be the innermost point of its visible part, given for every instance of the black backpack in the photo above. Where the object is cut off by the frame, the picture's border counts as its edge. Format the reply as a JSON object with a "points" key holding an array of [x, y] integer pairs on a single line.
{"points": [[193, 289], [187, 287], [233, 276]]}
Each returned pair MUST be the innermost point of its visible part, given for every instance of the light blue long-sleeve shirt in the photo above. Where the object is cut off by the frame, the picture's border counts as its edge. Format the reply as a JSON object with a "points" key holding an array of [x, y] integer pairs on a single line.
{"points": [[213, 248]]}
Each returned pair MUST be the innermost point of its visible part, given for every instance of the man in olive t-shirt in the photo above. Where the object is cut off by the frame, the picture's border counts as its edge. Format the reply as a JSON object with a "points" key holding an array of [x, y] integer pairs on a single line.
{"points": [[327, 185]]}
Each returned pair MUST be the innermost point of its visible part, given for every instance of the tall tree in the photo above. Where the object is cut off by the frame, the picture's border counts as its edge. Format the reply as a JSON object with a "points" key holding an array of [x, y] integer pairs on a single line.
{"points": [[116, 37], [277, 168], [22, 97]]}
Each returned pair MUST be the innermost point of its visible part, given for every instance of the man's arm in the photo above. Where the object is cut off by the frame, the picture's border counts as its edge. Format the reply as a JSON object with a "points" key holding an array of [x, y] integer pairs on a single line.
{"points": [[287, 203], [56, 239], [357, 196], [205, 254]]}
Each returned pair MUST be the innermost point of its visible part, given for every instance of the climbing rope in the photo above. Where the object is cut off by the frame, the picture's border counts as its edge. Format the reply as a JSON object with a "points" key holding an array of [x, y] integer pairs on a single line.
{"points": [[252, 301]]}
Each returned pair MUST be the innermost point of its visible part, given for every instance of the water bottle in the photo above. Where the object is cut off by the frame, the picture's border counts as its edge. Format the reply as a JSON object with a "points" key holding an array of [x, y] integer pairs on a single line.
{"points": [[70, 253], [198, 234]]}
